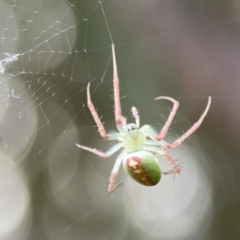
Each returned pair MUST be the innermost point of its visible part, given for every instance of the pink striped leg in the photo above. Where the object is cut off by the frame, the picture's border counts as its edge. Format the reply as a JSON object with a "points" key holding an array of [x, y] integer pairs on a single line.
{"points": [[97, 120], [112, 187], [176, 168], [107, 154], [192, 129], [164, 130], [117, 105]]}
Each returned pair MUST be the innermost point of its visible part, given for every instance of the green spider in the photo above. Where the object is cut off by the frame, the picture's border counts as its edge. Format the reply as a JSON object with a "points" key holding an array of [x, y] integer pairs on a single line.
{"points": [[138, 143]]}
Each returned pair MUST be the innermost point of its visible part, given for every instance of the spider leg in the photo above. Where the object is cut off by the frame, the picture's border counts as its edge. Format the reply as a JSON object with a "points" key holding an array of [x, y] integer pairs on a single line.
{"points": [[114, 173], [107, 154], [117, 105], [151, 133], [175, 170], [195, 126], [164, 130], [97, 120], [155, 143], [136, 116]]}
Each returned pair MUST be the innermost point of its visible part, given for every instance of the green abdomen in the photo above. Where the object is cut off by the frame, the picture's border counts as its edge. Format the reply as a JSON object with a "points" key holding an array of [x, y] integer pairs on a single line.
{"points": [[143, 167]]}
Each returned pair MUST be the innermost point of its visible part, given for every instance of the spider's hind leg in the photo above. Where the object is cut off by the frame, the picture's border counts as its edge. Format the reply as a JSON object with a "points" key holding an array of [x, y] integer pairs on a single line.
{"points": [[173, 172], [176, 168], [114, 173]]}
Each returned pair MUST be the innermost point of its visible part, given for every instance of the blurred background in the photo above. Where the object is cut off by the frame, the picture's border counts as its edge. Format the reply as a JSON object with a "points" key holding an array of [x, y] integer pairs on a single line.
{"points": [[49, 52]]}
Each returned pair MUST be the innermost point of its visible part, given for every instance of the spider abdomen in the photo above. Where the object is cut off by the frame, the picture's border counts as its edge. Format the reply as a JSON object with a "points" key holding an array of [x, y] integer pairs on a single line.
{"points": [[143, 167]]}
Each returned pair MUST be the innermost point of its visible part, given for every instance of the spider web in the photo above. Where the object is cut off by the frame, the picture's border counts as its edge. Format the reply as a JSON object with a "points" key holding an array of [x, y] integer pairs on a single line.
{"points": [[51, 50]]}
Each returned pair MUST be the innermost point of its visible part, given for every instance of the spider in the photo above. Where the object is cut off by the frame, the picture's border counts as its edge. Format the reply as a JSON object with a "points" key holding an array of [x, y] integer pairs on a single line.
{"points": [[138, 143]]}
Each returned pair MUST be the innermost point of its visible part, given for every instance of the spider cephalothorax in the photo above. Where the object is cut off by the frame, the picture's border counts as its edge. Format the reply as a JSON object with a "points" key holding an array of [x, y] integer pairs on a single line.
{"points": [[138, 143]]}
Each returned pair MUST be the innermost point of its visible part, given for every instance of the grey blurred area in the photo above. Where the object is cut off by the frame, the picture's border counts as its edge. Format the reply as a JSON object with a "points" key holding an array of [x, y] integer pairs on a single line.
{"points": [[49, 52]]}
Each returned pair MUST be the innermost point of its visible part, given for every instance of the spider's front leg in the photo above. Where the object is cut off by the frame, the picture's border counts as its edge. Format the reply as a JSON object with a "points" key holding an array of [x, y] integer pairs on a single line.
{"points": [[195, 126], [116, 91], [119, 119], [164, 130], [158, 137], [97, 120]]}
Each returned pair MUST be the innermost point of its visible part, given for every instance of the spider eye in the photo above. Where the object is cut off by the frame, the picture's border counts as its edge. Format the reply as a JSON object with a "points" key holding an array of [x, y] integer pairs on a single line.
{"points": [[132, 127]]}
